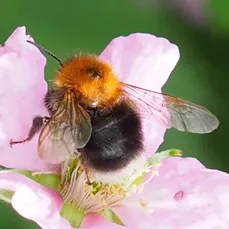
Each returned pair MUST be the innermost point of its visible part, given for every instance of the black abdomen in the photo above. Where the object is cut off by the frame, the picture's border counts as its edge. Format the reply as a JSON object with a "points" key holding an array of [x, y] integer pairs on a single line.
{"points": [[116, 139]]}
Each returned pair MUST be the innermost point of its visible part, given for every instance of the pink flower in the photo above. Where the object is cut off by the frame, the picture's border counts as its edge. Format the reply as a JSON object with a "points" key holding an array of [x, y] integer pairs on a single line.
{"points": [[185, 195], [22, 93]]}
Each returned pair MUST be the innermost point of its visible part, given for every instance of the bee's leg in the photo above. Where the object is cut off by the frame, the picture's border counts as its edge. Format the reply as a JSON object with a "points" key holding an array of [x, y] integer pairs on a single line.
{"points": [[37, 124], [89, 182], [85, 167]]}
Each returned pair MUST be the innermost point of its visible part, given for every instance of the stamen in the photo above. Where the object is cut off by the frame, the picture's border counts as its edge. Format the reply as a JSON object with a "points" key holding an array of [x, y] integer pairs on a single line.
{"points": [[86, 197], [152, 175], [95, 196], [99, 196]]}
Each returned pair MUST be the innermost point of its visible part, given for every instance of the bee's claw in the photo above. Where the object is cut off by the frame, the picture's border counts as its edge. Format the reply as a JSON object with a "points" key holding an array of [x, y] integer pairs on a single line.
{"points": [[15, 142], [11, 143]]}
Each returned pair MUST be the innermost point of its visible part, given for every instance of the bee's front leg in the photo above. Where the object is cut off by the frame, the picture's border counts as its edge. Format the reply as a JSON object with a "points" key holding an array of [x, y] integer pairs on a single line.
{"points": [[37, 124]]}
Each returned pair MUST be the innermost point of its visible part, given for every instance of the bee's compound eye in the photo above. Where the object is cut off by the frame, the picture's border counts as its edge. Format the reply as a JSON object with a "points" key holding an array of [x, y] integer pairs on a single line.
{"points": [[93, 72]]}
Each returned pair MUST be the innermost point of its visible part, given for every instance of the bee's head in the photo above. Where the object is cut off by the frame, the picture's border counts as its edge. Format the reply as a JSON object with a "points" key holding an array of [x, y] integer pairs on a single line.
{"points": [[92, 79]]}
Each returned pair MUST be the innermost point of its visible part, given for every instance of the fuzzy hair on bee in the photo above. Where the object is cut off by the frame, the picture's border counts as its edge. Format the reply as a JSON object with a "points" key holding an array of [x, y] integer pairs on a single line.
{"points": [[116, 135], [94, 114], [92, 80]]}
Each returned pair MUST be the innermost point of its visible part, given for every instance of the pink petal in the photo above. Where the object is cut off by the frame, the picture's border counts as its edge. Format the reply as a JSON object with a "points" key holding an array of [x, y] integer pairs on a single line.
{"points": [[42, 205], [96, 221], [145, 61], [134, 218], [185, 195], [22, 92], [35, 202]]}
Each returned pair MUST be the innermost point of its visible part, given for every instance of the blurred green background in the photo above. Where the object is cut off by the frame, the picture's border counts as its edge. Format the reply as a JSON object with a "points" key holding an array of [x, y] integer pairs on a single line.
{"points": [[202, 74]]}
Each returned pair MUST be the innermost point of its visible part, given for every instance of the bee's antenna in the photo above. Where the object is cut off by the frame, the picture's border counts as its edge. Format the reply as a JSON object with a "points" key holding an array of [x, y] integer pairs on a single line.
{"points": [[46, 51]]}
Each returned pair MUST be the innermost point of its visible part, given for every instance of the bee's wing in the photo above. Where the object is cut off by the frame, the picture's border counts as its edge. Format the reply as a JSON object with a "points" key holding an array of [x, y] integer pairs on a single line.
{"points": [[68, 129], [182, 114]]}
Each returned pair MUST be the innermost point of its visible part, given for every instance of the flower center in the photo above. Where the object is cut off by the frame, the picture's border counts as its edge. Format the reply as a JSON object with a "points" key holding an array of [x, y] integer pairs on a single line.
{"points": [[81, 189], [87, 191]]}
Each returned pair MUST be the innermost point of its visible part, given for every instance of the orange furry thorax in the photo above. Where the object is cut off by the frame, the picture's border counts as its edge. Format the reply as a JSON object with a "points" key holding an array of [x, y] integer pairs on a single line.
{"points": [[91, 79]]}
